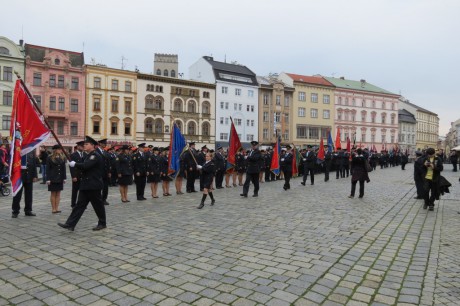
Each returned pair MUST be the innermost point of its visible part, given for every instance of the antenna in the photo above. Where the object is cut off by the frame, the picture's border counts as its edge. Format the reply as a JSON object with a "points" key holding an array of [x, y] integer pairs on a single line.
{"points": [[225, 58], [22, 31], [123, 59], [83, 47]]}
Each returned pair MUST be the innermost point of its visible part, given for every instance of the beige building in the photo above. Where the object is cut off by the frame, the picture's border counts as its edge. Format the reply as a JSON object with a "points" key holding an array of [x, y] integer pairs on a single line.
{"points": [[111, 108], [427, 129], [275, 110], [166, 65], [190, 104], [312, 108]]}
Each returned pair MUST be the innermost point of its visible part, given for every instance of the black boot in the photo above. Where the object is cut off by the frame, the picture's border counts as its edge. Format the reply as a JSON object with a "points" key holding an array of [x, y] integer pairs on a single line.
{"points": [[212, 198], [202, 201]]}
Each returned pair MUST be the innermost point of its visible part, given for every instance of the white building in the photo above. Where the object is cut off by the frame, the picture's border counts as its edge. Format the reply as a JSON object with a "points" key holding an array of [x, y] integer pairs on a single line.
{"points": [[236, 98], [407, 131]]}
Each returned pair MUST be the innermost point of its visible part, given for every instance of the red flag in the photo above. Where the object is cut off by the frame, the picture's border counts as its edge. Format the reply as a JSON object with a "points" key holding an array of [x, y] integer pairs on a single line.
{"points": [[321, 153], [338, 145], [348, 145], [275, 164], [15, 166], [234, 146], [294, 161]]}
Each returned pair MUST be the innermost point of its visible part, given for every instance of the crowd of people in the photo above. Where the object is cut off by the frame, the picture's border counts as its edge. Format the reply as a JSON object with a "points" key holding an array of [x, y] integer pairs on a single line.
{"points": [[95, 166]]}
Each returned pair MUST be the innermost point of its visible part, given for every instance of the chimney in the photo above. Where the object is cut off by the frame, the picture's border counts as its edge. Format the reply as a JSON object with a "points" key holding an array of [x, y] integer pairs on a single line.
{"points": [[363, 82], [21, 42], [342, 78], [209, 58]]}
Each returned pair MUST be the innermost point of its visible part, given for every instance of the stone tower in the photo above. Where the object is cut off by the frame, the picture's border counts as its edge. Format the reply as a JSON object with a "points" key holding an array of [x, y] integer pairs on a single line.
{"points": [[166, 65]]}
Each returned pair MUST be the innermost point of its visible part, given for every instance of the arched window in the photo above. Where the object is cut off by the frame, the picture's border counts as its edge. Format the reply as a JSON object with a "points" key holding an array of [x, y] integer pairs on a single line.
{"points": [[4, 50], [165, 72], [384, 116], [57, 61], [173, 73], [205, 127], [191, 106], [158, 126], [149, 125], [179, 125], [206, 108], [158, 72], [191, 128], [177, 105], [383, 105], [149, 101], [158, 103]]}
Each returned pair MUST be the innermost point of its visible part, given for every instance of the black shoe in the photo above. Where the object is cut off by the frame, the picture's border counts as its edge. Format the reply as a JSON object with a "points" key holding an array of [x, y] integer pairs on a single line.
{"points": [[284, 187], [197, 191], [303, 183], [418, 198], [425, 206], [106, 203], [99, 227], [219, 187], [431, 208], [212, 202], [30, 214], [360, 196], [313, 183], [14, 215], [244, 195], [255, 195], [66, 226], [201, 205]]}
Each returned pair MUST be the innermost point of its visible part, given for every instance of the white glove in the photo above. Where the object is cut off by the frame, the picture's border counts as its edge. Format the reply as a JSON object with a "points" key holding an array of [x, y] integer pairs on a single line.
{"points": [[72, 164], [199, 167], [304, 159], [282, 159]]}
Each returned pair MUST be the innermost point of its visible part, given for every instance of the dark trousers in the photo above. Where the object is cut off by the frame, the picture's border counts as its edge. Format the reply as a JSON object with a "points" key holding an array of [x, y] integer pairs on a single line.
{"points": [[28, 188], [419, 187], [267, 175], [254, 178], [287, 180], [361, 188], [190, 181], [84, 197], [346, 170], [429, 185], [113, 178], [219, 178], [327, 168], [105, 190], [455, 167], [305, 175], [75, 188], [140, 182], [403, 166], [340, 172]]}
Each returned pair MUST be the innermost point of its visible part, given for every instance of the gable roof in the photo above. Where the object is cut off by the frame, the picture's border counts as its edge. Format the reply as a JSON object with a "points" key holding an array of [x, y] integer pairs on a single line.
{"points": [[358, 85], [242, 71], [37, 54], [315, 80], [406, 116], [418, 107]]}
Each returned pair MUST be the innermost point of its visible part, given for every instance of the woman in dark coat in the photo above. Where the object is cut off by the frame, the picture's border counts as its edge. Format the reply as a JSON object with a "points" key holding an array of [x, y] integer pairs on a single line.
{"points": [[358, 166], [55, 176], [164, 172], [125, 172], [154, 170], [240, 164], [207, 171]]}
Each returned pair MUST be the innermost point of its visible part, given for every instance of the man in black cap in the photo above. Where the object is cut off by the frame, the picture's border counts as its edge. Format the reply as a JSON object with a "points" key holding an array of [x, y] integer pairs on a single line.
{"points": [[76, 174], [107, 168], [29, 176], [309, 164], [418, 175], [253, 169], [190, 167], [286, 167], [90, 187], [219, 162], [327, 162], [201, 159], [140, 171]]}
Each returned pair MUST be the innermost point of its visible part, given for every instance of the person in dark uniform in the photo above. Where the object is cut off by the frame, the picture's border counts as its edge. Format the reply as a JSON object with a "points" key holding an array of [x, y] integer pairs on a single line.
{"points": [[90, 187], [346, 163], [125, 172], [418, 175], [267, 164], [29, 164], [180, 176], [43, 157], [154, 170], [453, 159], [107, 169], [201, 159], [113, 169], [404, 161], [207, 172], [219, 163], [77, 156], [240, 165], [190, 166], [358, 165], [253, 169], [373, 160], [140, 171], [327, 162], [309, 164], [56, 176], [286, 166], [164, 171]]}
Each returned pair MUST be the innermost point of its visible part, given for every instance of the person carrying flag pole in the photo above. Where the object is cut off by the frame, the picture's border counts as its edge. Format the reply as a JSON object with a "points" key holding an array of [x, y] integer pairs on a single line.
{"points": [[253, 169], [286, 167]]}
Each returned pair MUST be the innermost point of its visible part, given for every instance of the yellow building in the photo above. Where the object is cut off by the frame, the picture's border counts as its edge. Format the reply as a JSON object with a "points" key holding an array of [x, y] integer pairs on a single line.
{"points": [[313, 108], [111, 107]]}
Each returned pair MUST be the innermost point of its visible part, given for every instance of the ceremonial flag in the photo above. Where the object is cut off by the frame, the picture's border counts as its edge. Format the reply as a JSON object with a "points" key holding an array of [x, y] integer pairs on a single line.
{"points": [[330, 144], [177, 146], [348, 145], [275, 163], [337, 140], [295, 160], [15, 166], [234, 146], [321, 152]]}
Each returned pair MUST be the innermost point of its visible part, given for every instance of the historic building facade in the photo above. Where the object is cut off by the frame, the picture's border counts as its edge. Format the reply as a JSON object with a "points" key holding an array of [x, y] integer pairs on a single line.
{"points": [[111, 108], [275, 110], [236, 98], [453, 136], [366, 113], [313, 108], [162, 100], [56, 79], [166, 65], [11, 59], [407, 132], [427, 125]]}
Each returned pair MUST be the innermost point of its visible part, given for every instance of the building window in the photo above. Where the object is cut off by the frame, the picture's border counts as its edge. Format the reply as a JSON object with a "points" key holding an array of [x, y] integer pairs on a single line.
{"points": [[286, 135], [248, 122], [372, 138], [286, 101], [127, 106], [61, 81], [96, 104], [114, 106], [165, 73], [237, 92], [383, 105], [249, 137], [250, 93], [114, 84], [51, 124], [206, 108], [301, 112], [4, 51], [252, 122], [353, 102], [114, 128], [340, 100], [265, 134], [74, 128], [191, 107], [97, 82], [265, 116], [37, 79], [392, 120], [74, 85], [191, 128], [392, 139], [301, 96], [326, 114], [158, 125], [301, 131], [314, 113], [363, 137], [52, 82], [60, 127], [52, 103], [7, 73], [222, 105], [74, 106], [226, 121], [158, 72], [313, 133], [224, 89], [286, 118], [96, 127], [38, 100], [149, 101], [237, 122], [383, 119], [277, 117], [226, 105], [57, 62], [314, 98], [127, 128], [363, 103], [205, 128], [326, 99], [177, 105], [61, 104], [252, 108], [8, 98], [265, 99], [6, 122], [278, 100], [173, 73], [223, 136], [221, 120], [384, 138]]}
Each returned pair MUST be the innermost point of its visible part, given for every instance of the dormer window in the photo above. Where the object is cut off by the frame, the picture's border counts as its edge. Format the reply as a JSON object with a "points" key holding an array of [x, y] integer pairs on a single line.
{"points": [[57, 61]]}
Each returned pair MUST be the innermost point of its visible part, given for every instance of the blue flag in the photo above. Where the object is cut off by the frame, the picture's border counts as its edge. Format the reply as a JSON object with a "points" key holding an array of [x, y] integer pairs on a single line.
{"points": [[176, 148], [330, 144]]}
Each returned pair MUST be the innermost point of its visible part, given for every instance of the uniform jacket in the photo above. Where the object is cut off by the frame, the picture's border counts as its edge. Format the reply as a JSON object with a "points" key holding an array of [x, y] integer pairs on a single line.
{"points": [[106, 158], [78, 158], [189, 160], [207, 173], [358, 166], [219, 162], [92, 168], [309, 160], [240, 162], [253, 159], [140, 161], [124, 164], [154, 164], [286, 162], [55, 170], [28, 174], [201, 158]]}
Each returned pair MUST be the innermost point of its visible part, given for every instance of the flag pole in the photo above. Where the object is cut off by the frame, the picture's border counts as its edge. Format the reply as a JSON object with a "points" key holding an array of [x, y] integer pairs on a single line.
{"points": [[41, 114]]}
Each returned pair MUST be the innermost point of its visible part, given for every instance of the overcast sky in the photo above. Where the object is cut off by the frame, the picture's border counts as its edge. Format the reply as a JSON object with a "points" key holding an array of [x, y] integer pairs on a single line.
{"points": [[409, 47]]}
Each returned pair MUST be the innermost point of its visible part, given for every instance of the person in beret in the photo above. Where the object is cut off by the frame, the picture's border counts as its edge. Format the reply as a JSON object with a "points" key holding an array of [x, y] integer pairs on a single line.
{"points": [[92, 168], [125, 172], [164, 172], [77, 156], [219, 162], [252, 172], [56, 176], [240, 165], [102, 144], [154, 163], [140, 160]]}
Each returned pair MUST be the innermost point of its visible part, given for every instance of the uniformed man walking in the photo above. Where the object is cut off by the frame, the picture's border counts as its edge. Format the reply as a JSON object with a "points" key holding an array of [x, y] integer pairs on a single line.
{"points": [[190, 167], [286, 167], [140, 171], [77, 156], [106, 158], [253, 169]]}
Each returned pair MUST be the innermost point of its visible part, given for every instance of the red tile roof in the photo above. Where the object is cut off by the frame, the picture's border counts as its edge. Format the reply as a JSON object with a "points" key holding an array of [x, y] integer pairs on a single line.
{"points": [[317, 80]]}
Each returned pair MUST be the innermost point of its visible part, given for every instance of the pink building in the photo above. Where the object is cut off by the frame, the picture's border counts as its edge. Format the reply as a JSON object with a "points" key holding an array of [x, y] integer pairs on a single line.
{"points": [[56, 79]]}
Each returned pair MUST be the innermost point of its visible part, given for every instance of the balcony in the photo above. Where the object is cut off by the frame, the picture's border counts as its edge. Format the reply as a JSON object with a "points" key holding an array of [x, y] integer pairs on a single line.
{"points": [[154, 136], [154, 111], [185, 115]]}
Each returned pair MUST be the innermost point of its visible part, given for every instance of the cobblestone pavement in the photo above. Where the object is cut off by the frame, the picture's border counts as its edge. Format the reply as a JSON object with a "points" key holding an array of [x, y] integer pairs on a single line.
{"points": [[310, 245]]}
